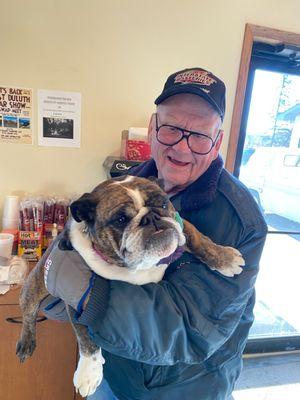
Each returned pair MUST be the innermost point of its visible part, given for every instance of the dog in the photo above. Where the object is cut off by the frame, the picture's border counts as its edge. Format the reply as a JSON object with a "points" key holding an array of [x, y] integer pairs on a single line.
{"points": [[124, 230]]}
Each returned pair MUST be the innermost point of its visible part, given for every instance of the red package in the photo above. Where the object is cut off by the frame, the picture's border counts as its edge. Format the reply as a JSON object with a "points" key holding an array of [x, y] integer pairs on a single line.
{"points": [[137, 150]]}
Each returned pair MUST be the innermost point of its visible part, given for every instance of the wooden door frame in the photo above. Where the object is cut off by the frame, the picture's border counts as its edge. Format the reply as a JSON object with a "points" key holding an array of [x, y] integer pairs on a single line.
{"points": [[252, 33]]}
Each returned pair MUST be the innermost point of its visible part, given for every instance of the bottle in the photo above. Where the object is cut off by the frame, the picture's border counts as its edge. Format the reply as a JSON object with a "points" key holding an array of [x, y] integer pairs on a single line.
{"points": [[54, 233]]}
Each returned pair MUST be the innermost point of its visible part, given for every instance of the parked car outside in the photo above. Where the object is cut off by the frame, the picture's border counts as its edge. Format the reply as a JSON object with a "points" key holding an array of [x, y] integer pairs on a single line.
{"points": [[273, 176]]}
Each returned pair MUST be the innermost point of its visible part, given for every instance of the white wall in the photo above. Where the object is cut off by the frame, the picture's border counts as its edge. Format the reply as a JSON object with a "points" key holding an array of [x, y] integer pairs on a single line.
{"points": [[117, 53]]}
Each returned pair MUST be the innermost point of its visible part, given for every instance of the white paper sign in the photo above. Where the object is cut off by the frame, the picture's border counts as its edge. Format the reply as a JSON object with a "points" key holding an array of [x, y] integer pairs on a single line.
{"points": [[59, 118]]}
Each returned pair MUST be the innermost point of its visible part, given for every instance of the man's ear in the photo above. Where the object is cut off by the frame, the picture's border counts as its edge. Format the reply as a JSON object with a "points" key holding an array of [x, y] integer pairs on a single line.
{"points": [[151, 128], [84, 209], [217, 146], [220, 139]]}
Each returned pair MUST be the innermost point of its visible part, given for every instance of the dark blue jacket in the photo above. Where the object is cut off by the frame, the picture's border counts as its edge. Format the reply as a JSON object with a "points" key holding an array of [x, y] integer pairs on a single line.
{"points": [[182, 339]]}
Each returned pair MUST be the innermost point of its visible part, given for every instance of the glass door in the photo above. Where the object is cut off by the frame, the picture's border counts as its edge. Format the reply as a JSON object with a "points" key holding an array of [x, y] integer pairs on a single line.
{"points": [[269, 165]]}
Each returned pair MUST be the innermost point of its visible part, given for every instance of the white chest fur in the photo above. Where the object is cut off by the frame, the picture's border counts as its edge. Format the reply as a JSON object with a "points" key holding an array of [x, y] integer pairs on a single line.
{"points": [[81, 242]]}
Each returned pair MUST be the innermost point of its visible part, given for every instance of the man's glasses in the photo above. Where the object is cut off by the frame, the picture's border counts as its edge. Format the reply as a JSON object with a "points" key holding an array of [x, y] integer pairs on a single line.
{"points": [[170, 135]]}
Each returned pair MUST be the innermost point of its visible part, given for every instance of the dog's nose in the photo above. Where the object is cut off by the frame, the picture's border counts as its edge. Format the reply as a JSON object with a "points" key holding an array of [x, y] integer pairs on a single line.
{"points": [[150, 219]]}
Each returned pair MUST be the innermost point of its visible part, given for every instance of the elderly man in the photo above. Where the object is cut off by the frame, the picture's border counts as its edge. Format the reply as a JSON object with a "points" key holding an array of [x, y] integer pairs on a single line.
{"points": [[182, 338]]}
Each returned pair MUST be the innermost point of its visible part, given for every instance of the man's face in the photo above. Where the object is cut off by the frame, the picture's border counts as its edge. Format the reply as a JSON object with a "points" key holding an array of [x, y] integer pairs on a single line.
{"points": [[177, 165]]}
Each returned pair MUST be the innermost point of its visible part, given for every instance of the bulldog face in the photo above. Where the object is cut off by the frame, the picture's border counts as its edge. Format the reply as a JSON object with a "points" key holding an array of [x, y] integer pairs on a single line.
{"points": [[131, 221]]}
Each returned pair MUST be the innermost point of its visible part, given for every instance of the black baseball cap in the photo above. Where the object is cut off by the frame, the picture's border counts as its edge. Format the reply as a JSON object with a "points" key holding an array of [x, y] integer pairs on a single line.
{"points": [[196, 81]]}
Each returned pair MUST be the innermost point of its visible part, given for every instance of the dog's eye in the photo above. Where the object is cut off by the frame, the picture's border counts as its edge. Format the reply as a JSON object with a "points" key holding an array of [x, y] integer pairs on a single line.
{"points": [[164, 205], [120, 220]]}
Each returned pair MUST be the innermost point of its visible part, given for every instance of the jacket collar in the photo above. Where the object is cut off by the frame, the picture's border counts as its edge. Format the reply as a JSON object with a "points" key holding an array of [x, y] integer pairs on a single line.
{"points": [[200, 193]]}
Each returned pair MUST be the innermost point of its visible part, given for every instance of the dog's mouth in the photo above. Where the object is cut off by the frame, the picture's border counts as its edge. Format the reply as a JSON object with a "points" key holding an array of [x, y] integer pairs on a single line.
{"points": [[145, 248], [157, 232], [160, 235], [163, 242], [142, 247]]}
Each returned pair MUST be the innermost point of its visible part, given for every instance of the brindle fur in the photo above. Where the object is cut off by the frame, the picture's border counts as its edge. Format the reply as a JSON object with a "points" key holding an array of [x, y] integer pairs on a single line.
{"points": [[34, 290], [32, 294], [210, 253]]}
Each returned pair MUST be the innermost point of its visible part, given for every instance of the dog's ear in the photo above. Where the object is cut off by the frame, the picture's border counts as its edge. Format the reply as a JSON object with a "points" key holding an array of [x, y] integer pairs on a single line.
{"points": [[84, 209], [158, 181]]}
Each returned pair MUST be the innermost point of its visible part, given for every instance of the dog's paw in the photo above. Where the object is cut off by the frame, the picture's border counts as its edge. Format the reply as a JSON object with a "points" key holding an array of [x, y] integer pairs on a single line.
{"points": [[88, 374], [231, 271], [25, 348], [229, 262]]}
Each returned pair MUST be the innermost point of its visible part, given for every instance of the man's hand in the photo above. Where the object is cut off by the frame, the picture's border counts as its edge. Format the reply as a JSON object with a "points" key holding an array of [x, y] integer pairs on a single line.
{"points": [[68, 277]]}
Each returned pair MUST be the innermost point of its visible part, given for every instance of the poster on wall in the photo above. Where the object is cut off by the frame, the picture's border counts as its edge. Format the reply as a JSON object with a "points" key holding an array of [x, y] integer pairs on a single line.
{"points": [[59, 118], [15, 115]]}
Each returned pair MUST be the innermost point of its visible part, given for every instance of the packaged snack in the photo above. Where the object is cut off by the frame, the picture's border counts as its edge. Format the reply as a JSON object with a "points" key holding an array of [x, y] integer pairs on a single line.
{"points": [[30, 245]]}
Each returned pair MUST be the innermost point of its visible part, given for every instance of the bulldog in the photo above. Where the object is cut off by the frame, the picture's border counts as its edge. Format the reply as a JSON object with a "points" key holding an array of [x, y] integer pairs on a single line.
{"points": [[126, 229]]}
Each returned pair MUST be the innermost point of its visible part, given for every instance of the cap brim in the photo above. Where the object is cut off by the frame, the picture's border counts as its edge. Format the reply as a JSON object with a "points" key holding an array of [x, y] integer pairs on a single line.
{"points": [[188, 88]]}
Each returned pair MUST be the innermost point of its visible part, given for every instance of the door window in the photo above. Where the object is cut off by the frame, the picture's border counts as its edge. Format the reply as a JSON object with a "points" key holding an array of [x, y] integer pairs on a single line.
{"points": [[269, 165]]}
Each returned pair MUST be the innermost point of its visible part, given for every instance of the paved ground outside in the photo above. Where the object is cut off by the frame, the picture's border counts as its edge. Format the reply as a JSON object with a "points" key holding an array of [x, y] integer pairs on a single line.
{"points": [[269, 378], [277, 287]]}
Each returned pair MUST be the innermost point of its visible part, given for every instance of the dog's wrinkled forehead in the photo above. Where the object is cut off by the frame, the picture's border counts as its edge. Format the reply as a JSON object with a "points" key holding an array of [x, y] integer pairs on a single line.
{"points": [[129, 191], [135, 193]]}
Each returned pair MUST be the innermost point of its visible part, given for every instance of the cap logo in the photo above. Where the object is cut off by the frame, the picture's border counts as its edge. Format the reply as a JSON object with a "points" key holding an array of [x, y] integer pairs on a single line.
{"points": [[196, 77]]}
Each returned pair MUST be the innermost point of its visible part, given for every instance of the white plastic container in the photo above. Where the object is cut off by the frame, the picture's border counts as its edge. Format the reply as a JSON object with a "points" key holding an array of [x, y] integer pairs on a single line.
{"points": [[11, 207], [8, 223], [6, 244]]}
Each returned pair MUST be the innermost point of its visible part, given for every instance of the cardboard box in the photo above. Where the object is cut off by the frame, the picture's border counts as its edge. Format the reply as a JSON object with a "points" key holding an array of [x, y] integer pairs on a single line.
{"points": [[134, 149], [124, 139], [137, 150]]}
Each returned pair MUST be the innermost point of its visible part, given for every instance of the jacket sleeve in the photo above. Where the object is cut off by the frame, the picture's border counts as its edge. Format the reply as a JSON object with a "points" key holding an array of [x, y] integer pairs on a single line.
{"points": [[185, 318]]}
